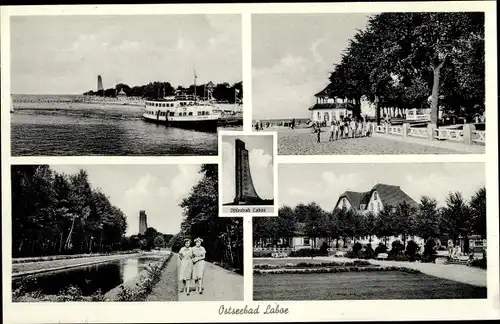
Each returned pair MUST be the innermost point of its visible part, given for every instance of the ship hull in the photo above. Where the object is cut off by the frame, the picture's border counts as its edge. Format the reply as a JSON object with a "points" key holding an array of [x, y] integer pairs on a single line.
{"points": [[204, 125]]}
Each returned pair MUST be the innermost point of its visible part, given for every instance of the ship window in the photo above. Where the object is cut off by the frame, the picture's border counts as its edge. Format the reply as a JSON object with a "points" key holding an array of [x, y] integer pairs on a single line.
{"points": [[207, 112], [199, 113], [184, 114], [190, 113], [172, 114]]}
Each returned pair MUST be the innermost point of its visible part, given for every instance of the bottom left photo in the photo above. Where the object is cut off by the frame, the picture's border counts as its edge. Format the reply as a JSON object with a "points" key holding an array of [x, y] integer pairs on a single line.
{"points": [[122, 233]]}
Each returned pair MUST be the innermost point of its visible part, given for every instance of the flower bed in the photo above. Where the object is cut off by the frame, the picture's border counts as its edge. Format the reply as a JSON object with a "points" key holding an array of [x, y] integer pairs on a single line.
{"points": [[311, 265], [333, 270]]}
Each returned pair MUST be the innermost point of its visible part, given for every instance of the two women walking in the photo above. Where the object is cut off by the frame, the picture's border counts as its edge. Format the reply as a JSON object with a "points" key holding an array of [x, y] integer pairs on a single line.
{"points": [[192, 265]]}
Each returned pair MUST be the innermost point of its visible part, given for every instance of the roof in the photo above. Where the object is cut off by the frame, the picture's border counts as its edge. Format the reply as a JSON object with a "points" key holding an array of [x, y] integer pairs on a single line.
{"points": [[332, 105], [325, 92], [392, 195], [388, 194]]}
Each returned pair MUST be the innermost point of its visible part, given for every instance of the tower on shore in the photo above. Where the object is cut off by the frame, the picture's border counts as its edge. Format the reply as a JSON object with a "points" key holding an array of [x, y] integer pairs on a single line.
{"points": [[100, 87], [143, 222]]}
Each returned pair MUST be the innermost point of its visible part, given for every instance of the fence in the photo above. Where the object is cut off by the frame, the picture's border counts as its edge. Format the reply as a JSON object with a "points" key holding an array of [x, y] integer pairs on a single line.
{"points": [[468, 135]]}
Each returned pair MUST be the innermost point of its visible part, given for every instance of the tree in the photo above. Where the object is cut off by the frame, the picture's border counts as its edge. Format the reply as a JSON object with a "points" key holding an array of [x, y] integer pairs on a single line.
{"points": [[370, 223], [428, 219], [456, 217], [478, 212], [405, 221], [159, 242], [385, 223], [315, 222]]}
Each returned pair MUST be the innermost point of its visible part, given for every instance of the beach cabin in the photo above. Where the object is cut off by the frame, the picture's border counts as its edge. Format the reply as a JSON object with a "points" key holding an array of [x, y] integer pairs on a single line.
{"points": [[330, 107]]}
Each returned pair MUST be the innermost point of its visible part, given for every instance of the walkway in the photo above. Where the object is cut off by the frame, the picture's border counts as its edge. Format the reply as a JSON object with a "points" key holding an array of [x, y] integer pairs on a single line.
{"points": [[456, 272], [220, 285]]}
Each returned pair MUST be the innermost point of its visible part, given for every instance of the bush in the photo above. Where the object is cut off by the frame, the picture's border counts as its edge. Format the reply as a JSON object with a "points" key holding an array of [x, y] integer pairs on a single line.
{"points": [[429, 251], [307, 253], [368, 252], [381, 248], [411, 250], [336, 270], [356, 248], [324, 248], [262, 254]]}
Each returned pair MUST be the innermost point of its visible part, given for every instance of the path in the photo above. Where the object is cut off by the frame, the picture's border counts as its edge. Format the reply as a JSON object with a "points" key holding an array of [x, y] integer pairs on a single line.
{"points": [[302, 142], [168, 286], [456, 272], [220, 285]]}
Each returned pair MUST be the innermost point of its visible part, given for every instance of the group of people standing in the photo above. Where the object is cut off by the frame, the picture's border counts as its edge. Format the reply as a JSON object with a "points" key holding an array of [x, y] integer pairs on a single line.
{"points": [[192, 265], [346, 128]]}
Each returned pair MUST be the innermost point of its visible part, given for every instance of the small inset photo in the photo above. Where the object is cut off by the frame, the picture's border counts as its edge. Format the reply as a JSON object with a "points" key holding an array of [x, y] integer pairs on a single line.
{"points": [[248, 174]]}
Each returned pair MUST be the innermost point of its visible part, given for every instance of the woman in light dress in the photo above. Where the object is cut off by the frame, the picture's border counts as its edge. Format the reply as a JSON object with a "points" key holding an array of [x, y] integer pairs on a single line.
{"points": [[198, 264], [186, 265]]}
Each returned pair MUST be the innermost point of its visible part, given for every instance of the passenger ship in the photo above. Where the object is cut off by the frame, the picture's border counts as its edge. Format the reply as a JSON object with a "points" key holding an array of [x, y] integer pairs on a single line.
{"points": [[183, 111]]}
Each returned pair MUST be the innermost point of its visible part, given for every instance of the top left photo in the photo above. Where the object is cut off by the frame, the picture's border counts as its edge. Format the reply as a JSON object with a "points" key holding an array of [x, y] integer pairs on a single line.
{"points": [[124, 85]]}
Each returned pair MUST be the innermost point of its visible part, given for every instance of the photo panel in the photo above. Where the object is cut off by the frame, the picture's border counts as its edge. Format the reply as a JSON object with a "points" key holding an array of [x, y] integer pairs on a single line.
{"points": [[121, 233], [368, 231], [124, 85], [248, 173], [370, 83]]}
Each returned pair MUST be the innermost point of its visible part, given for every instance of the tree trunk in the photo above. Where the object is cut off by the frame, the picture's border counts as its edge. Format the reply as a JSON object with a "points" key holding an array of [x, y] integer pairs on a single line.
{"points": [[377, 110], [436, 69], [68, 240], [20, 246]]}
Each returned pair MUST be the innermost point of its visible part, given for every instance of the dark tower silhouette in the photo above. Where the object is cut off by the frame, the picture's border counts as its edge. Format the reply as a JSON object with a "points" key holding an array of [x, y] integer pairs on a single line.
{"points": [[245, 193], [100, 87], [143, 222]]}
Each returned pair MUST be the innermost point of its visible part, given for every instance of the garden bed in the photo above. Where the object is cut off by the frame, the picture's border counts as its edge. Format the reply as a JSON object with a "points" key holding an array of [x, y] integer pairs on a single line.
{"points": [[303, 264]]}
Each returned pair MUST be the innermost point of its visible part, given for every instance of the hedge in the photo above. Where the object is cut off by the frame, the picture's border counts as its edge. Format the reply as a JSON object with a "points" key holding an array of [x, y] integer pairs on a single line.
{"points": [[335, 270], [312, 265]]}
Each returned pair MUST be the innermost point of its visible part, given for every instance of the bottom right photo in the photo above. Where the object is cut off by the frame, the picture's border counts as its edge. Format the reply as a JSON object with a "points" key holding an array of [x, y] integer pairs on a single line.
{"points": [[374, 231]]}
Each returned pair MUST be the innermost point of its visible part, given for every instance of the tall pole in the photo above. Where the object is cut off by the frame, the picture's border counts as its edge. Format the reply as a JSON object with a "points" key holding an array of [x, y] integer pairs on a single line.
{"points": [[195, 77]]}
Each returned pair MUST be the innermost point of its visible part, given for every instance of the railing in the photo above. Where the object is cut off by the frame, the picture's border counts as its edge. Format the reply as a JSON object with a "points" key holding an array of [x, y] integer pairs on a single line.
{"points": [[418, 132], [479, 136], [456, 135], [396, 130], [380, 129]]}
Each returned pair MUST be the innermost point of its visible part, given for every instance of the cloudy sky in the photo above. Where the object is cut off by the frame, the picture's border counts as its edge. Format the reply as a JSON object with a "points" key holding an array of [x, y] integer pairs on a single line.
{"points": [[292, 55], [324, 183], [158, 189], [260, 155], [64, 54]]}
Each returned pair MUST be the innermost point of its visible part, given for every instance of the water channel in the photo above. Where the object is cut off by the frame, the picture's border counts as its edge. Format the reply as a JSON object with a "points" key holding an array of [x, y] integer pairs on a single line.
{"points": [[104, 276]]}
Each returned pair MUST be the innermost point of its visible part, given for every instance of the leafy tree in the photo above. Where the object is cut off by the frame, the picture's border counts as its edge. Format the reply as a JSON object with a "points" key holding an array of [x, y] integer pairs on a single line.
{"points": [[405, 220], [159, 242], [369, 224], [478, 212], [385, 223], [456, 217], [315, 222], [428, 219]]}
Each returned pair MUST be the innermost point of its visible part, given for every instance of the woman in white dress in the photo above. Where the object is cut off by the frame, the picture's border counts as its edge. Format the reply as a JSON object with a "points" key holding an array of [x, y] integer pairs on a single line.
{"points": [[186, 265], [198, 264]]}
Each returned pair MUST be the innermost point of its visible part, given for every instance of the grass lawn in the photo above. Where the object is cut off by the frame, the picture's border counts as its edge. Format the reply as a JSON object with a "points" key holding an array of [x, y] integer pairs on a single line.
{"points": [[355, 285], [167, 289]]}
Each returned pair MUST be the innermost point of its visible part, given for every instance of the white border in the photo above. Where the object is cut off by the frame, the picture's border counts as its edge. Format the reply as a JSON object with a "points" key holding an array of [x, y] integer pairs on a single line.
{"points": [[275, 175], [299, 311]]}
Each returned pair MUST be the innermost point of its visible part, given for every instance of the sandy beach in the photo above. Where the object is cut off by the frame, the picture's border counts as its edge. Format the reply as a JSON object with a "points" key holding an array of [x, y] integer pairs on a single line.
{"points": [[304, 142]]}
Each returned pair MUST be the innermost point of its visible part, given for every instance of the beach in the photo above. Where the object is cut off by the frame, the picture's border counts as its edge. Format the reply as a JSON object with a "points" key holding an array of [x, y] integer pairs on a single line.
{"points": [[304, 142]]}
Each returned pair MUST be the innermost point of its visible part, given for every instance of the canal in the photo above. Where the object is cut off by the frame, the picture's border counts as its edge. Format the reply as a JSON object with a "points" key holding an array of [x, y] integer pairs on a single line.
{"points": [[89, 279]]}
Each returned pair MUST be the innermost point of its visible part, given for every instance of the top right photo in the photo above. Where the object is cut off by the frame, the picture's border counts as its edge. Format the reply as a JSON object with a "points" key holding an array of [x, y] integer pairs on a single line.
{"points": [[380, 83]]}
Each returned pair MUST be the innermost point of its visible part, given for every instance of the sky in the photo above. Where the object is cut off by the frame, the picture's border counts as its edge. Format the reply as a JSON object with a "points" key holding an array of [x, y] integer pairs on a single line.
{"points": [[64, 54], [260, 156], [157, 189], [292, 56], [324, 183]]}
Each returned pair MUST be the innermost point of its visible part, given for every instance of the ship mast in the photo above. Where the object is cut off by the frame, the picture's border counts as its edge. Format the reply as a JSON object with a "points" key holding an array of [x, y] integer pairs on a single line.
{"points": [[195, 77]]}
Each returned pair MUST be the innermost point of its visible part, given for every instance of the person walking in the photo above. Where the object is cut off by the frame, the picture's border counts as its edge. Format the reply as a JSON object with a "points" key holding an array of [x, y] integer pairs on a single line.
{"points": [[318, 134], [332, 130], [186, 266], [198, 264]]}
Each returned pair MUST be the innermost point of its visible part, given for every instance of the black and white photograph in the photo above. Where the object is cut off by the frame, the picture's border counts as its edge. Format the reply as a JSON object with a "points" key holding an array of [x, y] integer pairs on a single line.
{"points": [[124, 85], [248, 173], [374, 231], [380, 83], [116, 233]]}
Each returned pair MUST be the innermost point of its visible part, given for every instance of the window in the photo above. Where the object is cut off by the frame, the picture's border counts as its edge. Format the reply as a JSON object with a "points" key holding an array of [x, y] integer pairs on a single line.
{"points": [[207, 112], [344, 204], [184, 114], [375, 196], [319, 115], [172, 113], [190, 113], [307, 241], [199, 113]]}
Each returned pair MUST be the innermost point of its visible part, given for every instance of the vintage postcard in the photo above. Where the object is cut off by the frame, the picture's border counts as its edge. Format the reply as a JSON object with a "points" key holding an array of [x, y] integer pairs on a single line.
{"points": [[250, 162]]}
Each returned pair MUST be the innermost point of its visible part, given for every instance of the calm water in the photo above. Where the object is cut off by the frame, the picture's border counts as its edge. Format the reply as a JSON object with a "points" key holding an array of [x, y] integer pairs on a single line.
{"points": [[103, 276], [92, 129]]}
